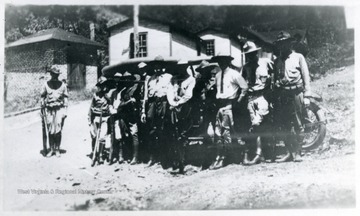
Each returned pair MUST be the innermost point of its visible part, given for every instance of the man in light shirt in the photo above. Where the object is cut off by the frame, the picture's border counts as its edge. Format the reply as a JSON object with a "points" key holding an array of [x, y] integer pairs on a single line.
{"points": [[231, 87], [256, 73], [293, 90], [155, 107], [179, 96]]}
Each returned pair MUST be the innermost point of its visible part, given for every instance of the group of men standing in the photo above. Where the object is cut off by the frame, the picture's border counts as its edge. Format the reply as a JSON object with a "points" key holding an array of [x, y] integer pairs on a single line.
{"points": [[164, 109]]}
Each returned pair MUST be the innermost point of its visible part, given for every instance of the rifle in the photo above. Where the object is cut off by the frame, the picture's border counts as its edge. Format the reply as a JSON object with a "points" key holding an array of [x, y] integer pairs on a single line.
{"points": [[45, 130], [96, 148]]}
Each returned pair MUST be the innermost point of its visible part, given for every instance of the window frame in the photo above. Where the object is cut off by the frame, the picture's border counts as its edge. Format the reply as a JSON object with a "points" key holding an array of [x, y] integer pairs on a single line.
{"points": [[140, 54], [213, 47]]}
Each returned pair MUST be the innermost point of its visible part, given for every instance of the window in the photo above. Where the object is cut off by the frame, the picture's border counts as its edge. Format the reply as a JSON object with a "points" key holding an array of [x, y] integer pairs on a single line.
{"points": [[210, 47], [142, 52]]}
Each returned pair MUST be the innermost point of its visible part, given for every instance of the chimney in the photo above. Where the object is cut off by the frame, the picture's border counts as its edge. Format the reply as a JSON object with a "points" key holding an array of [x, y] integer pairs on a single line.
{"points": [[92, 31]]}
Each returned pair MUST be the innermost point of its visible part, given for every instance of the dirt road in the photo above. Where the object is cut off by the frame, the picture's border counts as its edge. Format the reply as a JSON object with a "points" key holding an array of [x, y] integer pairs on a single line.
{"points": [[321, 180]]}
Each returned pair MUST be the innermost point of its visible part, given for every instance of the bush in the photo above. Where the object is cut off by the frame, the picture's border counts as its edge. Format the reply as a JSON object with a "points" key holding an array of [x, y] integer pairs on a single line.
{"points": [[322, 59]]}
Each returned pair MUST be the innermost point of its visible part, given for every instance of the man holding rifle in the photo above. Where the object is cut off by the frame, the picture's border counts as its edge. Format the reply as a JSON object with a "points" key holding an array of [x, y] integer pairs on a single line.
{"points": [[99, 114], [54, 103]]}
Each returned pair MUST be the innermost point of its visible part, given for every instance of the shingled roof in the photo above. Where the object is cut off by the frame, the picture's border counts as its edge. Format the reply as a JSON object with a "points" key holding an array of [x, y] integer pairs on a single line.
{"points": [[54, 34]]}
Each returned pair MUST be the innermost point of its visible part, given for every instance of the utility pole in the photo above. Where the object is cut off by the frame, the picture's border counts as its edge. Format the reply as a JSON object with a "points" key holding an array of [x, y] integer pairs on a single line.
{"points": [[136, 33]]}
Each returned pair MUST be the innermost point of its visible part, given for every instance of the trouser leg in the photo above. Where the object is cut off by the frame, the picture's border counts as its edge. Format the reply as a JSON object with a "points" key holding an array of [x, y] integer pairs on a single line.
{"points": [[135, 145], [151, 135], [57, 142], [51, 144], [121, 151]]}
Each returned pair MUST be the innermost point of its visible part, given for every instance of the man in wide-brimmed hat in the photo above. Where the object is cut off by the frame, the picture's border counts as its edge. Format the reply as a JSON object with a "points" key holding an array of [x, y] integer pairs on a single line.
{"points": [[54, 102], [99, 110], [155, 106], [179, 96], [256, 72], [231, 87], [292, 80], [205, 92], [125, 102]]}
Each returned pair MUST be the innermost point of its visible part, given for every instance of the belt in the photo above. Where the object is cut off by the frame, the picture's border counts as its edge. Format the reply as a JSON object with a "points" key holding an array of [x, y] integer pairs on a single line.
{"points": [[293, 87], [256, 93], [224, 102], [153, 99], [105, 114]]}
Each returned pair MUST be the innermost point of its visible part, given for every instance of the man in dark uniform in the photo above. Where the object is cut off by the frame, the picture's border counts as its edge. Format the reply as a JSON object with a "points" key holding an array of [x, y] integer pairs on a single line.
{"points": [[126, 102], [205, 94]]}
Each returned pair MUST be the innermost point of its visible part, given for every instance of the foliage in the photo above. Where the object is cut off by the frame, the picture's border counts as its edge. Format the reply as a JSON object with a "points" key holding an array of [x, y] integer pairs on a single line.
{"points": [[330, 55], [325, 24]]}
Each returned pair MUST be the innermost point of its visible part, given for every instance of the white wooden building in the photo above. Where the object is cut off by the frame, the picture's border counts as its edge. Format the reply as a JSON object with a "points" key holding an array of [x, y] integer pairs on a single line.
{"points": [[155, 38], [218, 42]]}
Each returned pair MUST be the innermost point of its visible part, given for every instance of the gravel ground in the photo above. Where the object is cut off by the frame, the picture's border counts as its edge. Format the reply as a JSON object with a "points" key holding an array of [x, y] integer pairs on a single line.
{"points": [[324, 179]]}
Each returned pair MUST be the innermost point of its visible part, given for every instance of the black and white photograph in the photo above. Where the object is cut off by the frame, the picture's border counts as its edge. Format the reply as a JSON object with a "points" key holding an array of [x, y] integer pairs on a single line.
{"points": [[127, 106]]}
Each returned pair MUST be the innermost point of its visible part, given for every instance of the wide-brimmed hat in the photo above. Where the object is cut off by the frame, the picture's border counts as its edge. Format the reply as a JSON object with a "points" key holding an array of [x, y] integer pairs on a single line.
{"points": [[118, 75], [127, 76], [141, 65], [222, 57], [283, 35], [250, 46], [158, 60], [206, 66], [101, 81], [53, 70]]}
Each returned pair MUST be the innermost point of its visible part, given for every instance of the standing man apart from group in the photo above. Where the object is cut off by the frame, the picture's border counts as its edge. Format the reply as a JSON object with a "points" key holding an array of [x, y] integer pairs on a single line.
{"points": [[54, 100]]}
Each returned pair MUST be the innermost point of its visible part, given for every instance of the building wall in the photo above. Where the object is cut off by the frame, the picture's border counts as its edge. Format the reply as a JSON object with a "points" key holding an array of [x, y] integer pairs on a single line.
{"points": [[161, 41], [28, 58], [158, 41], [91, 77], [224, 45], [23, 85], [237, 54], [183, 48], [222, 42]]}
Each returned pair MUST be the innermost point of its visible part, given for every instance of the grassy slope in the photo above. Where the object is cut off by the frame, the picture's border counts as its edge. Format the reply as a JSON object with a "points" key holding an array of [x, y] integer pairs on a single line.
{"points": [[338, 92]]}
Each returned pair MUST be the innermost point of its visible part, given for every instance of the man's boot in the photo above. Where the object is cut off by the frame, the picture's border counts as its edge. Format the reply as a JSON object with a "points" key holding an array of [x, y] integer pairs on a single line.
{"points": [[135, 159], [151, 161], [296, 150], [258, 155], [246, 158], [214, 164], [57, 144], [288, 139], [101, 151], [220, 163], [288, 157], [51, 143]]}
